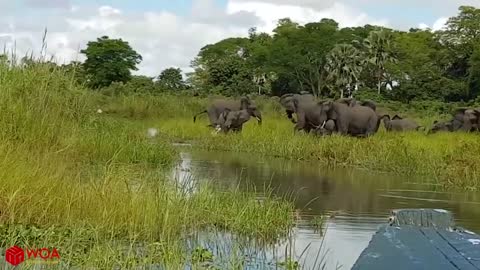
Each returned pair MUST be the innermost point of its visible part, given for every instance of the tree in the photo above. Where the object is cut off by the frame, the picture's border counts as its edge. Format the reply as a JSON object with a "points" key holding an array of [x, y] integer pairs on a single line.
{"points": [[379, 52], [299, 52], [474, 73], [172, 79], [224, 67], [461, 35], [344, 66], [109, 60]]}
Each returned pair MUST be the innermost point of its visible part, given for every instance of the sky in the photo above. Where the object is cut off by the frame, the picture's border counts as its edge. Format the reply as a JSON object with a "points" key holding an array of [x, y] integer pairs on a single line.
{"points": [[169, 33]]}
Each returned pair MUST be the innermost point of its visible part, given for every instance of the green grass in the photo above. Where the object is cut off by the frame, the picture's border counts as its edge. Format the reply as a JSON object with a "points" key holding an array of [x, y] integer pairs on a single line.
{"points": [[95, 187]]}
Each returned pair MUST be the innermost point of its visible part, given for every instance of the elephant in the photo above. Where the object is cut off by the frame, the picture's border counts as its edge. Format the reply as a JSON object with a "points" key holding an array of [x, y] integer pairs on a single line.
{"points": [[309, 116], [356, 120], [466, 119], [233, 120], [220, 105], [398, 123], [326, 129], [442, 126], [303, 99]]}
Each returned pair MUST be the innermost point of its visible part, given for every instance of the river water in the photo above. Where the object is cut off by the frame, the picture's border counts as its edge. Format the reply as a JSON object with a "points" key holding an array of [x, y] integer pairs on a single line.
{"points": [[356, 202]]}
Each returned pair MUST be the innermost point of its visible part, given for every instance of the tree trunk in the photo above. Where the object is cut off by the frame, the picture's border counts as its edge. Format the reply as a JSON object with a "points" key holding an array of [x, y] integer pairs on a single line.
{"points": [[341, 92], [379, 84]]}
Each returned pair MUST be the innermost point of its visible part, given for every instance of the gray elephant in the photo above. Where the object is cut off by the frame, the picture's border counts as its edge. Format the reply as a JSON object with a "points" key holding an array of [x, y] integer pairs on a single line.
{"points": [[466, 119], [398, 123], [309, 116], [358, 121], [234, 120], [443, 126], [220, 105], [302, 99]]}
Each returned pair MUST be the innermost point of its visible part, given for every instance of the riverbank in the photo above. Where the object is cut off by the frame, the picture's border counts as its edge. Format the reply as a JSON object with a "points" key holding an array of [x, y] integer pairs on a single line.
{"points": [[96, 188], [447, 159]]}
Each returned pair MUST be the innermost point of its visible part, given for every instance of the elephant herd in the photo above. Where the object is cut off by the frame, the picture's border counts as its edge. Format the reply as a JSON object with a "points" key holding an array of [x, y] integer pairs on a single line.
{"points": [[230, 115], [345, 116]]}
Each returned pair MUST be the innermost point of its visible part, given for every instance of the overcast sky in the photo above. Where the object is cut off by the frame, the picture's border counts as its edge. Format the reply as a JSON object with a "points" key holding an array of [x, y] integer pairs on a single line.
{"points": [[170, 32]]}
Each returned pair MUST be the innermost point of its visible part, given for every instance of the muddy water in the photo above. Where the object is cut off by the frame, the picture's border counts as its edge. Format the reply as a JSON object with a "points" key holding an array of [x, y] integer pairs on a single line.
{"points": [[356, 201]]}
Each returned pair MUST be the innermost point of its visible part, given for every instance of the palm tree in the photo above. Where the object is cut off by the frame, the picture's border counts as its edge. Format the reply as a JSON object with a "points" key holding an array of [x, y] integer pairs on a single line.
{"points": [[378, 49], [344, 64]]}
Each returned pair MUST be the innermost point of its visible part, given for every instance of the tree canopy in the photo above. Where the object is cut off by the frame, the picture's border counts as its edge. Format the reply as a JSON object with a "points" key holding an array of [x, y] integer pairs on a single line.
{"points": [[172, 79], [109, 60], [329, 61], [318, 57]]}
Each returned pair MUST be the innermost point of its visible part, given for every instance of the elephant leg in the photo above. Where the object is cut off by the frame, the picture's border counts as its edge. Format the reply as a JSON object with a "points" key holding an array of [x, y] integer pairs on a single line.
{"points": [[301, 122], [342, 128]]}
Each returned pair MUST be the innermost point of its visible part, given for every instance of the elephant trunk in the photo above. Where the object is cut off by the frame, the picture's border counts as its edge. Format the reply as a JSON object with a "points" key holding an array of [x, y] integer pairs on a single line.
{"points": [[258, 115]]}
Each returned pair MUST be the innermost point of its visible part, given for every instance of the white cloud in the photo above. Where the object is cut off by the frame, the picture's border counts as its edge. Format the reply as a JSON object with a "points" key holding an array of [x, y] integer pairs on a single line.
{"points": [[439, 24], [423, 26], [269, 13], [164, 39]]}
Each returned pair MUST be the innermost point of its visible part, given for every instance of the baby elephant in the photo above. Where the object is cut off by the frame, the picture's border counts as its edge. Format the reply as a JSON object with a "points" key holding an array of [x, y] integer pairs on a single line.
{"points": [[444, 126], [397, 123], [326, 129], [233, 120]]}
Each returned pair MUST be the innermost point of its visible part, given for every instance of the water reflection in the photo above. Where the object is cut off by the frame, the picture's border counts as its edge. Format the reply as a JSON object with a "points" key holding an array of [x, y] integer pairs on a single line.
{"points": [[357, 201]]}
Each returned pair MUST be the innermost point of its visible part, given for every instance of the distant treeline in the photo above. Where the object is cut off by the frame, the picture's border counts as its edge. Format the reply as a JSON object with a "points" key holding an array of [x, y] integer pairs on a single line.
{"points": [[320, 57]]}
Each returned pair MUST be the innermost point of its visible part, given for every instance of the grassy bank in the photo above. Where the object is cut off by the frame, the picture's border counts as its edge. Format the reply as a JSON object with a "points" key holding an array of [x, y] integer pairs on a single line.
{"points": [[95, 187], [448, 159]]}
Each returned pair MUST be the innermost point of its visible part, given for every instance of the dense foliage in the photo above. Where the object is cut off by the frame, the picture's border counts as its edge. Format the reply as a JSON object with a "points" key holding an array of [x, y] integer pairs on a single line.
{"points": [[109, 60], [330, 61]]}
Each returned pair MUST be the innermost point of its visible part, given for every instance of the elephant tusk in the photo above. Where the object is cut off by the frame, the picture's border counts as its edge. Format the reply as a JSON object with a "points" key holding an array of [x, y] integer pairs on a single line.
{"points": [[218, 129], [324, 123]]}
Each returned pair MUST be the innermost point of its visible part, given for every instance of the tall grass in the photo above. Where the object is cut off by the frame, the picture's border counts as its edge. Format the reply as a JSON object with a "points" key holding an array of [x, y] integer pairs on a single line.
{"points": [[447, 158], [96, 188]]}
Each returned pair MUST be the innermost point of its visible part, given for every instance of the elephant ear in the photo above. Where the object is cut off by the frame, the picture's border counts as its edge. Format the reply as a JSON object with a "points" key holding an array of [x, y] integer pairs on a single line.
{"points": [[295, 104], [286, 96], [328, 108], [244, 103], [396, 117], [285, 99]]}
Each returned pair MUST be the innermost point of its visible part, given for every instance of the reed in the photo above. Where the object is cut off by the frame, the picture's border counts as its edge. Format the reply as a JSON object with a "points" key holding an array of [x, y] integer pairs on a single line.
{"points": [[96, 187]]}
